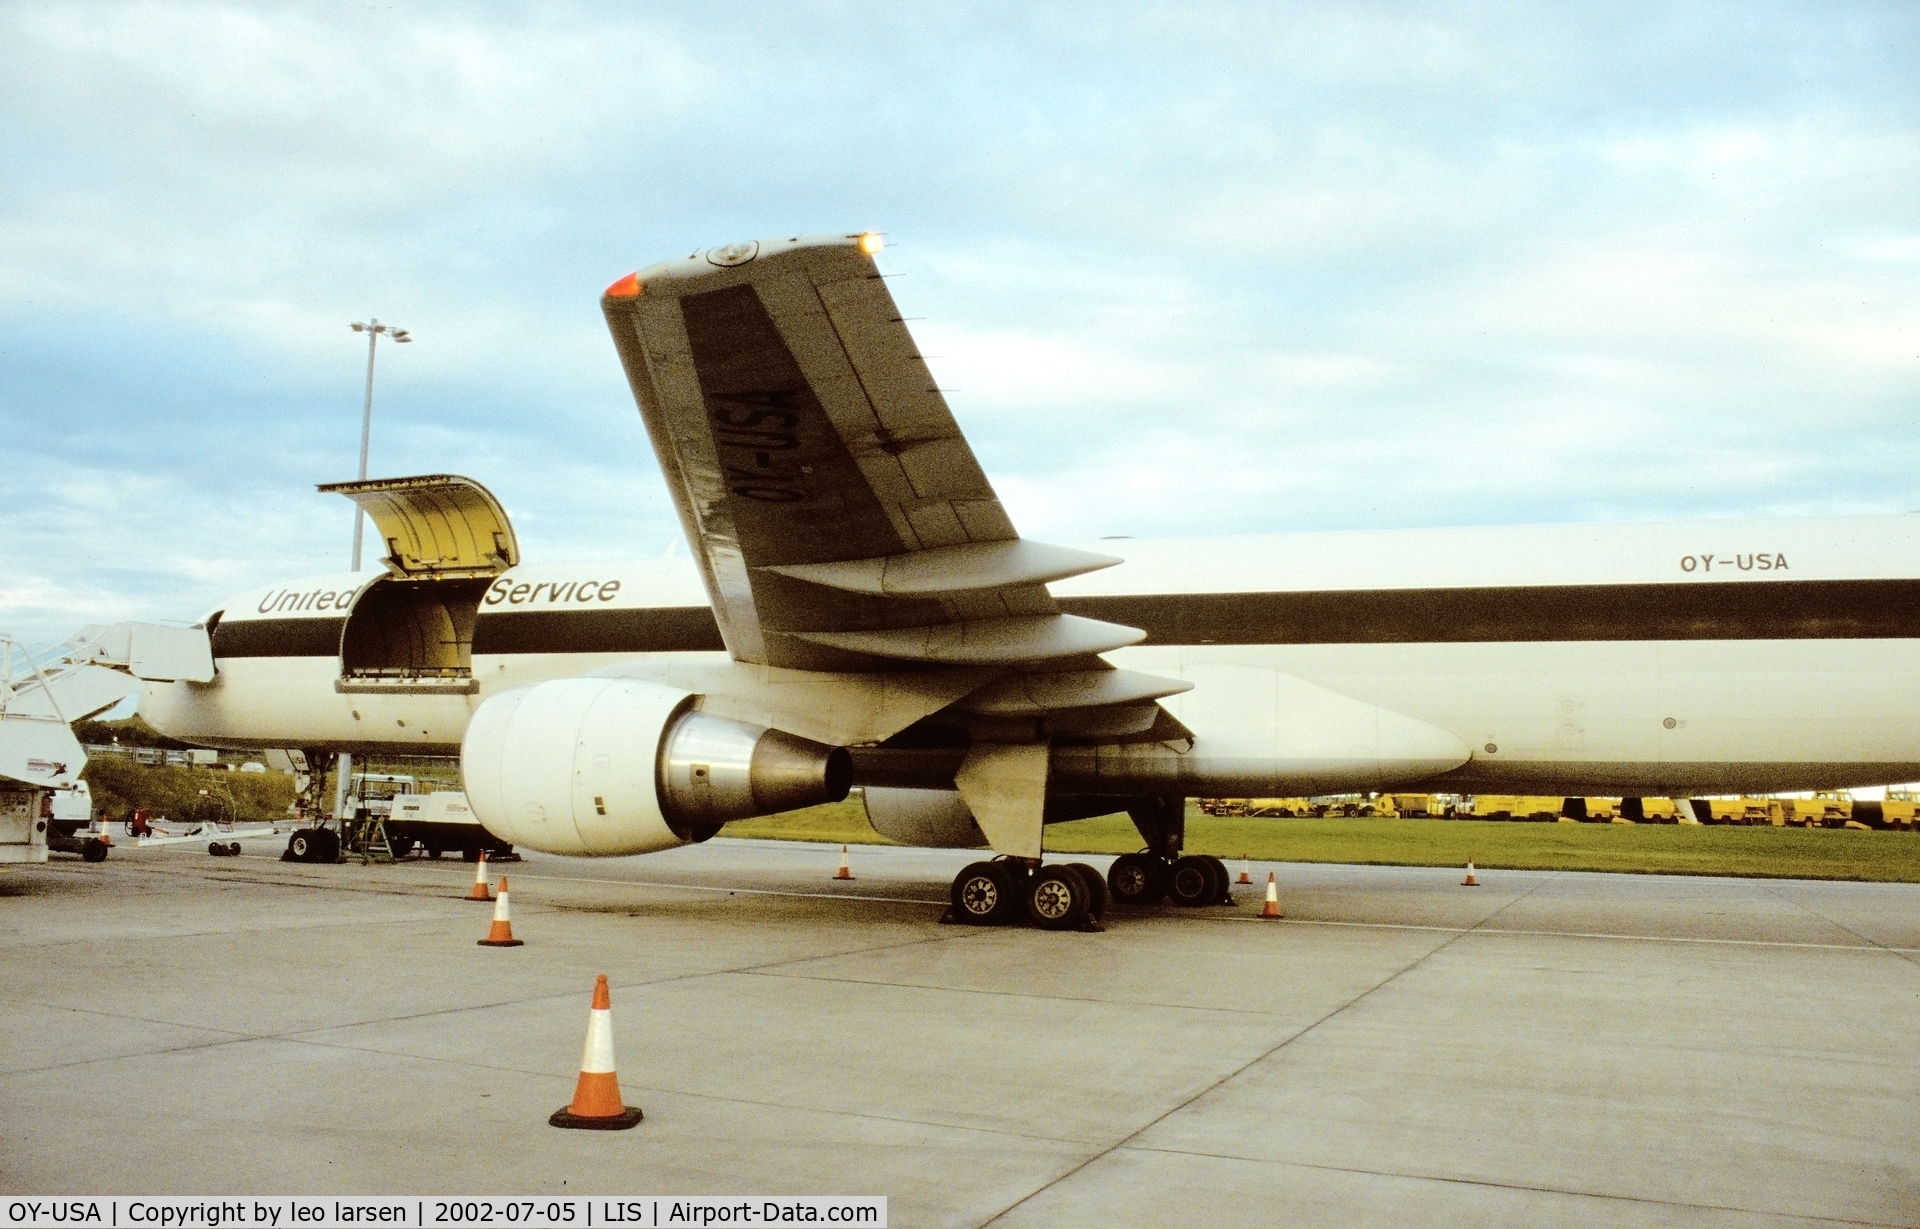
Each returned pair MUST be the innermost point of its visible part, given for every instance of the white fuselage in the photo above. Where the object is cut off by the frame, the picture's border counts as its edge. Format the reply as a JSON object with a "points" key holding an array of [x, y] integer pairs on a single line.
{"points": [[1665, 659]]}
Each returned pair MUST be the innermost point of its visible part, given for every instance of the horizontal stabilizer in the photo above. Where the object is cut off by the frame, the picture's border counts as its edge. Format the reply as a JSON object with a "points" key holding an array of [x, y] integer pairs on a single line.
{"points": [[985, 641], [965, 568]]}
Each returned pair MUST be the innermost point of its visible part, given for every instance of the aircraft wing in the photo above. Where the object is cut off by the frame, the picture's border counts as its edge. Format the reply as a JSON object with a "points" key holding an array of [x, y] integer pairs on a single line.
{"points": [[840, 520]]}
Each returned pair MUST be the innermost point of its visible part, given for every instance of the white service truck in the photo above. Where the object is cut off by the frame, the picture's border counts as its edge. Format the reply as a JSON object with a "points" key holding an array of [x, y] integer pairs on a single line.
{"points": [[435, 822]]}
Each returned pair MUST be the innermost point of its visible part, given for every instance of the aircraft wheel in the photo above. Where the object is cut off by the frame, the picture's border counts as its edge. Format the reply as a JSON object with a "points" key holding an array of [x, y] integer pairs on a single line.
{"points": [[300, 845], [983, 894], [1057, 899], [1222, 880], [1191, 883], [1097, 898], [326, 843], [95, 850], [1137, 879]]}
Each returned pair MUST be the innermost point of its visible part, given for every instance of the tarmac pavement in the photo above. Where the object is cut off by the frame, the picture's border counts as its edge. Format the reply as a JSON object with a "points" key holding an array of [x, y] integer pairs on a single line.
{"points": [[1547, 1049]]}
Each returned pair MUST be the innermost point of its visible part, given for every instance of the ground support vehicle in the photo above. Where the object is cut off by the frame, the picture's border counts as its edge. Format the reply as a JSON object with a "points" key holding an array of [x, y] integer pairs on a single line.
{"points": [[1825, 809], [1537, 809]]}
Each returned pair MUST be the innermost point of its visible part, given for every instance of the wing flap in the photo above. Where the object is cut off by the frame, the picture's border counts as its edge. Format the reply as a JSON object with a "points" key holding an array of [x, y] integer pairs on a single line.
{"points": [[952, 569], [1024, 638]]}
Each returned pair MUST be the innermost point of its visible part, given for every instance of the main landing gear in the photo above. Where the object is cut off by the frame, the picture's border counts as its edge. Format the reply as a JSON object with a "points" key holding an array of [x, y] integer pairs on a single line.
{"points": [[1072, 896], [1191, 880]]}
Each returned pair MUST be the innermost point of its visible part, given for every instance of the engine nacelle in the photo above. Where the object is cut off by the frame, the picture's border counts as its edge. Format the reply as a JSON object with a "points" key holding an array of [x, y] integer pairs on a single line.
{"points": [[604, 767], [930, 818]]}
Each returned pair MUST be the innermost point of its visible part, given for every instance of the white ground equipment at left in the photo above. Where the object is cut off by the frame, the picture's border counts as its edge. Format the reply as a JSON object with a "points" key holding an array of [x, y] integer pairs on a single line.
{"points": [[43, 802]]}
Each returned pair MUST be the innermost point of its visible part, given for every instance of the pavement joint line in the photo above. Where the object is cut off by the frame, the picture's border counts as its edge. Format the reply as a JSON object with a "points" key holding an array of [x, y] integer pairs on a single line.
{"points": [[1865, 945], [701, 887], [1515, 1186], [1016, 994], [396, 890], [1903, 952], [1261, 1057]]}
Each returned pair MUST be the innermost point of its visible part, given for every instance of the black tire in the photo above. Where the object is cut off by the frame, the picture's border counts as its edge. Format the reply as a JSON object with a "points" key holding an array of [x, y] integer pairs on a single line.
{"points": [[1137, 879], [401, 846], [434, 852], [1097, 899], [329, 845], [984, 895], [1057, 899], [95, 850], [300, 846], [1222, 879], [1191, 883], [469, 855]]}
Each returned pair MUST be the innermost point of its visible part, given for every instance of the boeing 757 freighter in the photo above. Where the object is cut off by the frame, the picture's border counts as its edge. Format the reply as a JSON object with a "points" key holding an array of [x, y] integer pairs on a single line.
{"points": [[859, 610]]}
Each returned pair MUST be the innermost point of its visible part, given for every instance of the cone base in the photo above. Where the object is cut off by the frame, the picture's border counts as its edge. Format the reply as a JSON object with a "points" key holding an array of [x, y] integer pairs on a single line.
{"points": [[485, 900], [502, 942], [625, 1120]]}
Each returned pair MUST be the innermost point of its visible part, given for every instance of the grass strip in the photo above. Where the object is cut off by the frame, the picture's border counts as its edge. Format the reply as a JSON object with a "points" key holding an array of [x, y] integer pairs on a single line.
{"points": [[1646, 849]]}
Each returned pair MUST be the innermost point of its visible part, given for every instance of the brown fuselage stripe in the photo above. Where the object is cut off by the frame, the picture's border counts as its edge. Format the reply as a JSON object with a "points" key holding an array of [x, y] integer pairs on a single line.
{"points": [[1739, 610]]}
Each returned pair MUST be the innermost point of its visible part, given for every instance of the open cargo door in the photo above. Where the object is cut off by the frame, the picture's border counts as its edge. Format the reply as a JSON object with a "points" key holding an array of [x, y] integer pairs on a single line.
{"points": [[446, 538], [436, 526]]}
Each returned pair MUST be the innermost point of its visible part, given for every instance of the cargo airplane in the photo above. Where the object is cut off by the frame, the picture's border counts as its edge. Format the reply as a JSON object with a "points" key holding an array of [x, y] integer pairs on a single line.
{"points": [[860, 610]]}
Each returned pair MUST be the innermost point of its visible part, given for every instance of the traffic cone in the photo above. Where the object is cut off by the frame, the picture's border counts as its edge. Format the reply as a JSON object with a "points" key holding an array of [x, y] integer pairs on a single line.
{"points": [[1272, 907], [843, 872], [105, 837], [1244, 877], [596, 1104], [1469, 881], [479, 891], [501, 933]]}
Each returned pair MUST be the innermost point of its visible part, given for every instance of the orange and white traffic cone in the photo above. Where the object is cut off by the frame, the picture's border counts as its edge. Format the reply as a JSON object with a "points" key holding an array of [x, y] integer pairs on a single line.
{"points": [[1469, 881], [479, 891], [501, 933], [1244, 877], [1272, 907], [102, 834], [596, 1104], [843, 872]]}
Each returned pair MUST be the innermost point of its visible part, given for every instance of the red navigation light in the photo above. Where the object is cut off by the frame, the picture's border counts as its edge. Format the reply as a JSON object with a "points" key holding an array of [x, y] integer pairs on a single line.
{"points": [[627, 287]]}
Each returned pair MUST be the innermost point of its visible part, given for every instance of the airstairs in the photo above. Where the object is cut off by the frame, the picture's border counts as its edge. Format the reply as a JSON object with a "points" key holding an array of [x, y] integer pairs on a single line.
{"points": [[43, 691]]}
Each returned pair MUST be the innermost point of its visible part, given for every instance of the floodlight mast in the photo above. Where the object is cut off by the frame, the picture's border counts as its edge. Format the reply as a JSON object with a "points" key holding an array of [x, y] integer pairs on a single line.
{"points": [[373, 329]]}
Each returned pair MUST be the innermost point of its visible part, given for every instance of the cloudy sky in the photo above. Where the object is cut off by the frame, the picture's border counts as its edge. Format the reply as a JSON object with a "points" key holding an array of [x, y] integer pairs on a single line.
{"points": [[1197, 268]]}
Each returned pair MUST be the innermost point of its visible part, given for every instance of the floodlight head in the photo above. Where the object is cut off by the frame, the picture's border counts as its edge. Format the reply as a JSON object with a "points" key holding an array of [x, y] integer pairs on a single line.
{"points": [[357, 327], [400, 335]]}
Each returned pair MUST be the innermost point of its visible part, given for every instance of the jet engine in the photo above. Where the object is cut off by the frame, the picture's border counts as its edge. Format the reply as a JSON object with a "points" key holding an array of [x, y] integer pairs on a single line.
{"points": [[930, 818], [604, 767]]}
